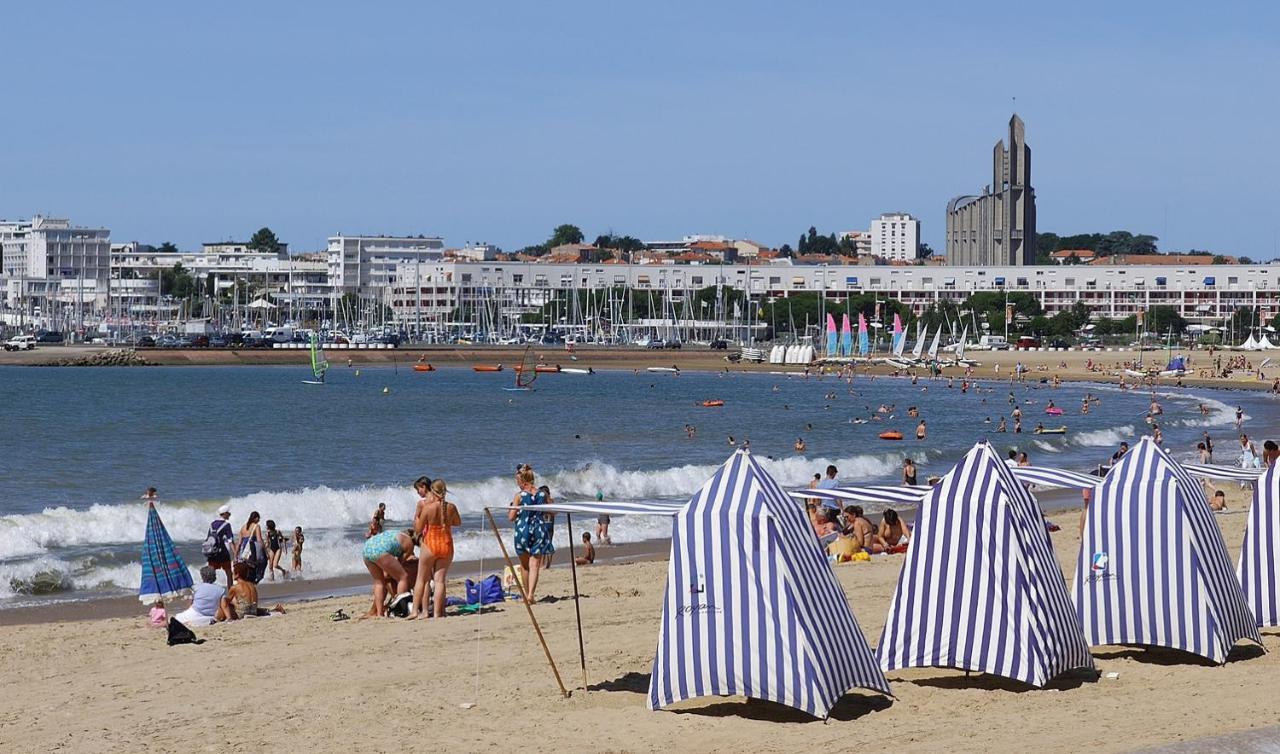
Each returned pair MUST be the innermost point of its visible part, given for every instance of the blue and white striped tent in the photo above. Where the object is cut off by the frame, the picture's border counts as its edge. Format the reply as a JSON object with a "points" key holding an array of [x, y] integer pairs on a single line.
{"points": [[1153, 568], [1259, 569], [752, 607], [980, 588]]}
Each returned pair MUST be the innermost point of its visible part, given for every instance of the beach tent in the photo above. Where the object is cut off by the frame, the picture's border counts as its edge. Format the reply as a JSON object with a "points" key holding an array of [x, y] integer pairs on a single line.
{"points": [[980, 588], [1153, 568], [1258, 569], [886, 495], [752, 607], [164, 574]]}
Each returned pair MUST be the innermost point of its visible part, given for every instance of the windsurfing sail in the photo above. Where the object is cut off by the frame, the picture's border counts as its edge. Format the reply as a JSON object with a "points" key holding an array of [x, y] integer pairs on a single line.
{"points": [[831, 336], [526, 373], [318, 364], [921, 334], [899, 337], [864, 345], [964, 334], [933, 346], [846, 337]]}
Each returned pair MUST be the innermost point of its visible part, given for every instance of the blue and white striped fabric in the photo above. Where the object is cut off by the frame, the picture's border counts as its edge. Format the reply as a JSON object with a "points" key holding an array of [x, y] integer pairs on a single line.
{"points": [[1153, 568], [981, 589], [1259, 566], [164, 573], [1046, 477], [606, 508], [1221, 472], [752, 607], [884, 494]]}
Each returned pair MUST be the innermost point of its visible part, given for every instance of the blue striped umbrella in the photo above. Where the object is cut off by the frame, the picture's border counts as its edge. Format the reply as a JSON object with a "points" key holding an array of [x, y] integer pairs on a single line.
{"points": [[164, 574]]}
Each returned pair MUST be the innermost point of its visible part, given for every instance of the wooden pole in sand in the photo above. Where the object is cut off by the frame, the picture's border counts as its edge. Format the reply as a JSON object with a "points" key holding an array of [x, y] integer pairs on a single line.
{"points": [[577, 611], [528, 606]]}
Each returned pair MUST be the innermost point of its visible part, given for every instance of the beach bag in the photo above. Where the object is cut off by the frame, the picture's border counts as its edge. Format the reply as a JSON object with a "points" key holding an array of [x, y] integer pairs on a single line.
{"points": [[180, 634], [213, 547], [488, 590]]}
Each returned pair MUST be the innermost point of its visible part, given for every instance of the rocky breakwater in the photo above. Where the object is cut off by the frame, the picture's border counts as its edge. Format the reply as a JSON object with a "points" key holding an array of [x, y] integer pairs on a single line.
{"points": [[116, 357]]}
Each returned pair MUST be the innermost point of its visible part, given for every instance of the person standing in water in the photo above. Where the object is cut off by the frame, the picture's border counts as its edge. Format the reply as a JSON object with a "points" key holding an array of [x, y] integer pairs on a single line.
{"points": [[920, 430], [298, 539]]}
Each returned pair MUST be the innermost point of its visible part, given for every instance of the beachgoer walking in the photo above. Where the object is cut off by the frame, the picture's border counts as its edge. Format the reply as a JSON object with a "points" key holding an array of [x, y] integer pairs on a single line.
{"points": [[1239, 417], [439, 516], [532, 544], [908, 472], [218, 543], [275, 550], [251, 548], [298, 539]]}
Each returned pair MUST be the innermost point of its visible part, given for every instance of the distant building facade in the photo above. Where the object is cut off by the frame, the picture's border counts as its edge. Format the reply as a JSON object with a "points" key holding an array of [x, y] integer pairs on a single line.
{"points": [[367, 265], [49, 265], [997, 227], [895, 236]]}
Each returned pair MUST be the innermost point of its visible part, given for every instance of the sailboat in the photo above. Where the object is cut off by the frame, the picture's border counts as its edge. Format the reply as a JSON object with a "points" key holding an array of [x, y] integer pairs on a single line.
{"points": [[933, 346], [526, 374], [846, 337], [318, 363], [833, 347]]}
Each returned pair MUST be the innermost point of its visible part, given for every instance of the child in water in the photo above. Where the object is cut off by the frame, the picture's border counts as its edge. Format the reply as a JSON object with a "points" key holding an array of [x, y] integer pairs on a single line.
{"points": [[298, 539]]}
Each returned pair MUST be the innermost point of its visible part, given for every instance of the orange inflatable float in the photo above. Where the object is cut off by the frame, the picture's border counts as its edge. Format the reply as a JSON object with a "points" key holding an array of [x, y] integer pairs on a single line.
{"points": [[891, 434], [713, 403]]}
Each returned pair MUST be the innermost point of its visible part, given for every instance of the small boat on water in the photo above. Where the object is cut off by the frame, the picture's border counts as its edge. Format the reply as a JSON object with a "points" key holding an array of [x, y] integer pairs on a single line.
{"points": [[576, 370], [1053, 411], [1048, 431], [891, 434], [664, 370], [714, 403], [423, 368], [539, 369], [487, 368]]}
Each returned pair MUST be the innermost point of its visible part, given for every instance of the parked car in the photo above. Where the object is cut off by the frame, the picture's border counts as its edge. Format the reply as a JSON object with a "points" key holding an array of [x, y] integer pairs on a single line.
{"points": [[673, 344], [168, 341], [20, 343], [218, 341], [49, 337], [199, 341], [657, 343], [146, 341], [719, 344]]}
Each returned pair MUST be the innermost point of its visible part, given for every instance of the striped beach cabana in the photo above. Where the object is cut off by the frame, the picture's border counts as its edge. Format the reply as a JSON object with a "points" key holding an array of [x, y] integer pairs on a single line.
{"points": [[1153, 568], [1258, 569], [980, 588], [752, 607]]}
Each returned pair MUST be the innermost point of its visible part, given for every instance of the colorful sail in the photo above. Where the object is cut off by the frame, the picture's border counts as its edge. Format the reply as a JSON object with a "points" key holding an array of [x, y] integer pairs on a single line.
{"points": [[864, 345], [164, 573], [318, 364], [898, 336], [831, 336], [846, 337]]}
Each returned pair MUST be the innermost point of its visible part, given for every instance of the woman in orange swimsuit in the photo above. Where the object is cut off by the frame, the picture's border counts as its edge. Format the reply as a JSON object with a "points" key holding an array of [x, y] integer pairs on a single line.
{"points": [[438, 518]]}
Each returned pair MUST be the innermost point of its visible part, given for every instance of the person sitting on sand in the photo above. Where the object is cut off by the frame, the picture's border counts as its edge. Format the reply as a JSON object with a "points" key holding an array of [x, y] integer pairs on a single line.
{"points": [[893, 529], [1270, 452], [588, 555], [864, 532], [244, 597], [1219, 501], [208, 601]]}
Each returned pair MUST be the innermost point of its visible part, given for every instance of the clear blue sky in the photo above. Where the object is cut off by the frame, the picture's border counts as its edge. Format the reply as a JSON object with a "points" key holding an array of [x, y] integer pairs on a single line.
{"points": [[496, 121]]}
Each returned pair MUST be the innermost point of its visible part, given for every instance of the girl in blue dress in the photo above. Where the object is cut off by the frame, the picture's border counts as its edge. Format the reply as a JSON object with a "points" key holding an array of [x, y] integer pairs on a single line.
{"points": [[532, 531]]}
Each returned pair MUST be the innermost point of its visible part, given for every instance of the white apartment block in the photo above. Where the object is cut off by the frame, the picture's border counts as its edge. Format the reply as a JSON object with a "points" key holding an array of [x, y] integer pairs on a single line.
{"points": [[367, 265], [895, 236], [48, 265]]}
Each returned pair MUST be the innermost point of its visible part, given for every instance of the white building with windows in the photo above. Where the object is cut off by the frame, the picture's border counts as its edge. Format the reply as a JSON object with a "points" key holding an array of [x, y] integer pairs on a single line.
{"points": [[895, 236], [368, 265], [54, 271]]}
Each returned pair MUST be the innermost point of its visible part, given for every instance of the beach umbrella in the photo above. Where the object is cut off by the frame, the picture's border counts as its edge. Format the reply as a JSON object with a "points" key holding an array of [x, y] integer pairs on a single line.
{"points": [[164, 574]]}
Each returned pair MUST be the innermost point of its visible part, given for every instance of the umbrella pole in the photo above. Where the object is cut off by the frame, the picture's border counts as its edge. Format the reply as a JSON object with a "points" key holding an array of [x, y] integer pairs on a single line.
{"points": [[577, 610], [528, 606]]}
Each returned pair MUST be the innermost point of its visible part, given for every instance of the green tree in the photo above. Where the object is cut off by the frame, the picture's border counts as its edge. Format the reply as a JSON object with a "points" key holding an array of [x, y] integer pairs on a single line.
{"points": [[265, 241], [177, 282], [564, 234], [1163, 319], [926, 250], [167, 248]]}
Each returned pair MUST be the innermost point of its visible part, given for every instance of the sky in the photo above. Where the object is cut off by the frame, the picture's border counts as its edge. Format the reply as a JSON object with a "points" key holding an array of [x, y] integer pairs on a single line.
{"points": [[495, 122]]}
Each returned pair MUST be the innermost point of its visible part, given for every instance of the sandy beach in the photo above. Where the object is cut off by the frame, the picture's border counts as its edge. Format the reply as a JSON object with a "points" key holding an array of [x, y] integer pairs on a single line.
{"points": [[312, 684], [1067, 365]]}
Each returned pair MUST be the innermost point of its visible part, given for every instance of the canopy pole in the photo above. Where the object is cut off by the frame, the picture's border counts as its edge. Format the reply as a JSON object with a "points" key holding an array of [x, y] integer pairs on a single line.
{"points": [[528, 606], [577, 610]]}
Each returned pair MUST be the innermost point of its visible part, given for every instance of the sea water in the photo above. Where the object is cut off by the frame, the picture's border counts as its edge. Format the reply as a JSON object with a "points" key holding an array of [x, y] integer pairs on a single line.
{"points": [[79, 446]]}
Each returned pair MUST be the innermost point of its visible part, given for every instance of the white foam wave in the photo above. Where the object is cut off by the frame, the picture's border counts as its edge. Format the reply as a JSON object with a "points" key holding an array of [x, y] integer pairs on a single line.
{"points": [[1048, 447], [1101, 438]]}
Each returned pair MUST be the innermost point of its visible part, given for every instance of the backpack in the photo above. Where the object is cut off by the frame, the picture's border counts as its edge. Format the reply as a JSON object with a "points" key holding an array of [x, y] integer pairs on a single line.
{"points": [[180, 634], [488, 590], [214, 547]]}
